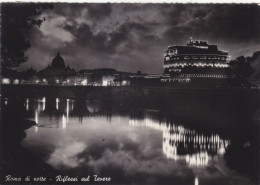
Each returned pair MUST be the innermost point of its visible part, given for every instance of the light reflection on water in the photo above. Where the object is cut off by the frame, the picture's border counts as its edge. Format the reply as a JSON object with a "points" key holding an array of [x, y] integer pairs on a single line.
{"points": [[181, 143], [57, 103], [136, 146], [196, 181]]}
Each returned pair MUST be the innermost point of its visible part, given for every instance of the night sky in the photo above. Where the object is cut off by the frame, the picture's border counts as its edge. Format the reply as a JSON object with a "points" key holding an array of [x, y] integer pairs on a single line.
{"points": [[129, 37]]}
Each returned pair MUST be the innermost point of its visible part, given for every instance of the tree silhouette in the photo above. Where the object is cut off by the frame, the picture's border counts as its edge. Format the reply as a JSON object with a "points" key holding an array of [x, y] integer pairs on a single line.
{"points": [[242, 68], [17, 21]]}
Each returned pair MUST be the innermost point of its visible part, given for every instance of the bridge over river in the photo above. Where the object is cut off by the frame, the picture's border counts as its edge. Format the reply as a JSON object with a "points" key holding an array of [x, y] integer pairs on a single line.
{"points": [[203, 106]]}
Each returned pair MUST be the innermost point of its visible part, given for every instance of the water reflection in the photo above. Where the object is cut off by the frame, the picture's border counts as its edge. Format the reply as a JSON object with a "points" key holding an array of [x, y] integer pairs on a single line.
{"points": [[57, 103], [36, 117], [44, 103], [6, 101], [68, 155], [63, 108], [67, 111], [186, 144], [36, 128], [93, 106], [39, 102], [82, 136], [178, 143], [27, 104], [196, 181], [64, 122]]}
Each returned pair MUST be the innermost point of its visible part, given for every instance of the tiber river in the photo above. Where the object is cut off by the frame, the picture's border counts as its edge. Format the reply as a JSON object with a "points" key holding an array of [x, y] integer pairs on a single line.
{"points": [[82, 138]]}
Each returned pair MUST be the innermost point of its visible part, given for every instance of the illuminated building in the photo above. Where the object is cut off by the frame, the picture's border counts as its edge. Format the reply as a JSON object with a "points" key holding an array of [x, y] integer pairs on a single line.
{"points": [[56, 72], [76, 80], [104, 77], [108, 80], [196, 60]]}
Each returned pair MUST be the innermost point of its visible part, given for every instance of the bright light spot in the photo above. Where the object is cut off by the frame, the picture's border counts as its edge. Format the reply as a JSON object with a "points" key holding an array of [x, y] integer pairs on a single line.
{"points": [[16, 81], [67, 118], [196, 181], [84, 82], [221, 150], [107, 80], [44, 103], [6, 81], [105, 83], [36, 117], [27, 106], [57, 103], [63, 122]]}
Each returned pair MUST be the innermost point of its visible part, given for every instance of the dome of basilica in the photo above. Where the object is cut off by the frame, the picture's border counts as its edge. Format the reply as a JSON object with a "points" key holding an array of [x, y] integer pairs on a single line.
{"points": [[58, 62]]}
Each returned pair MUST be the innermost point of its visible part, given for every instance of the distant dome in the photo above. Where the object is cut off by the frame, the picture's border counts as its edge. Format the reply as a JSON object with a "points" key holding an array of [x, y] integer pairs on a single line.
{"points": [[58, 62]]}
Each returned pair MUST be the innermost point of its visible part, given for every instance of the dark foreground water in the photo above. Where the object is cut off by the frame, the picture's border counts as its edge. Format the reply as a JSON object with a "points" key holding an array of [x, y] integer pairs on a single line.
{"points": [[121, 143]]}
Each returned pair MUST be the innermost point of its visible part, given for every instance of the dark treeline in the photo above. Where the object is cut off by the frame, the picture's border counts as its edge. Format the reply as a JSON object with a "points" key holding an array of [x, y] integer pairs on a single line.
{"points": [[17, 21], [243, 68]]}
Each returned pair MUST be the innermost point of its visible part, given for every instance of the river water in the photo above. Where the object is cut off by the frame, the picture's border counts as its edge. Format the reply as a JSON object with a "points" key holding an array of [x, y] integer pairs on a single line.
{"points": [[81, 138]]}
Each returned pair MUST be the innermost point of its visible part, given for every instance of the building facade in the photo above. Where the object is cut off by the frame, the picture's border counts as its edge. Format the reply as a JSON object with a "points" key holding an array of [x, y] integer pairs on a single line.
{"points": [[196, 60], [56, 72]]}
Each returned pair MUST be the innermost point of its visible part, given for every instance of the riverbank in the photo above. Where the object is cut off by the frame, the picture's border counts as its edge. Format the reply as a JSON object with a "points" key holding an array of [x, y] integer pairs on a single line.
{"points": [[17, 162]]}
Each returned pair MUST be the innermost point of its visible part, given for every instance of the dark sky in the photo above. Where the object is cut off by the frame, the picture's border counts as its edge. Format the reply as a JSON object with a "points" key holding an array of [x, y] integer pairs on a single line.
{"points": [[129, 37]]}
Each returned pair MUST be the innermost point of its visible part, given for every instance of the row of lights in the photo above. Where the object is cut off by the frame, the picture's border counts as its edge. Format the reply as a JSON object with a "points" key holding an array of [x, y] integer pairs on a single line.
{"points": [[176, 79], [218, 65], [203, 75], [17, 81], [194, 58], [67, 82]]}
